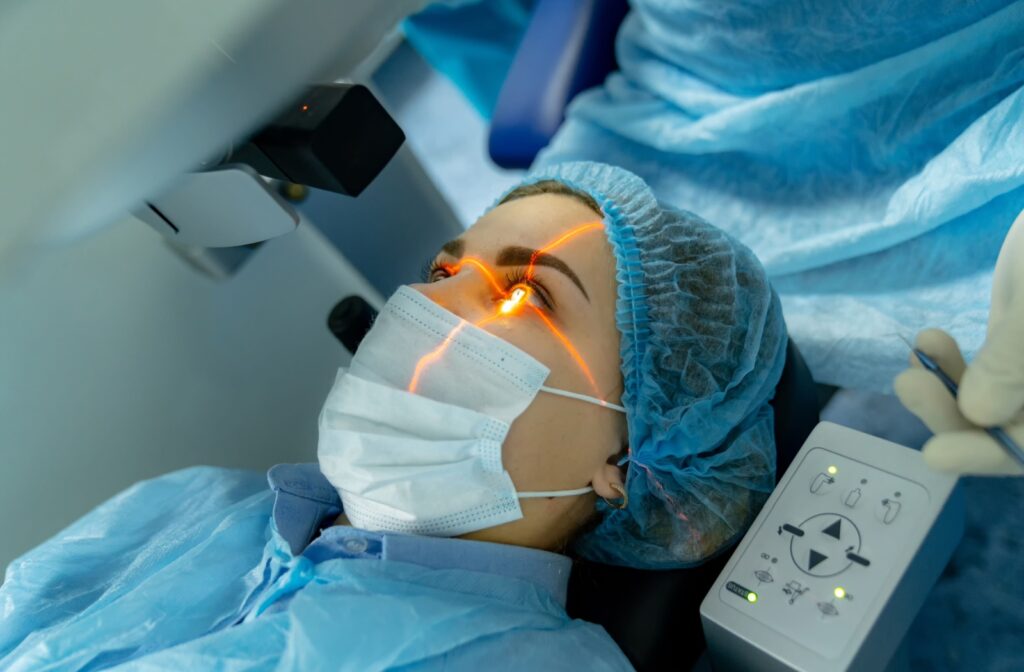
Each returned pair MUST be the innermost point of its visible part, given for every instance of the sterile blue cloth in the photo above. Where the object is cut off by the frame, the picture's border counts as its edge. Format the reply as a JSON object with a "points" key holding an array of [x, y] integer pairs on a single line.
{"points": [[471, 43], [208, 569], [869, 153], [702, 348]]}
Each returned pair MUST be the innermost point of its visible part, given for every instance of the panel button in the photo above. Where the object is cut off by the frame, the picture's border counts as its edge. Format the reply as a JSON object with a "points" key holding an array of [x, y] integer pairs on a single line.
{"points": [[822, 549], [793, 530], [815, 558]]}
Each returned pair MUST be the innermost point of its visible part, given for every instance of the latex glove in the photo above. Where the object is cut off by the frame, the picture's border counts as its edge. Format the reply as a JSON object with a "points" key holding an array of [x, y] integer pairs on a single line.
{"points": [[991, 388]]}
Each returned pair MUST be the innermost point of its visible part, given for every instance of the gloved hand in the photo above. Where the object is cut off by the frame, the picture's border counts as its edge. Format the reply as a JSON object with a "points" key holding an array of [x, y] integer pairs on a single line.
{"points": [[991, 388]]}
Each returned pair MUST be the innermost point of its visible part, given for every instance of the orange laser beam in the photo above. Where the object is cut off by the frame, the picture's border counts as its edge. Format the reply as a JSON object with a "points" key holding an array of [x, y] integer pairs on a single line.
{"points": [[582, 228], [483, 268], [484, 321], [571, 349], [432, 356], [435, 354]]}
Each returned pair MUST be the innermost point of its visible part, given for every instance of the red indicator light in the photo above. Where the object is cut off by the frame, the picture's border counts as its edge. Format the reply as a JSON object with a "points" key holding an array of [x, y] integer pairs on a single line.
{"points": [[304, 108]]}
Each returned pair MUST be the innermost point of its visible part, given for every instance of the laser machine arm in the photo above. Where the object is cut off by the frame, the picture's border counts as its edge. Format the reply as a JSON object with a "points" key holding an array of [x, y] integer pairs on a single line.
{"points": [[112, 101]]}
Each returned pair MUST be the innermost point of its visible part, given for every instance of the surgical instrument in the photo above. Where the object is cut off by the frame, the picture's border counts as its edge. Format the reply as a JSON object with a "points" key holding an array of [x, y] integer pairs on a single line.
{"points": [[997, 433]]}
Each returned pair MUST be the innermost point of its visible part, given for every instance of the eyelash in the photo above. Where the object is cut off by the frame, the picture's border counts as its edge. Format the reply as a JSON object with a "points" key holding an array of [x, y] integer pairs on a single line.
{"points": [[516, 276]]}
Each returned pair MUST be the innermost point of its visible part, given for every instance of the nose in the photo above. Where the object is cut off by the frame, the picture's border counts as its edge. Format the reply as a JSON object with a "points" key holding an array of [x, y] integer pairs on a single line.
{"points": [[468, 294]]}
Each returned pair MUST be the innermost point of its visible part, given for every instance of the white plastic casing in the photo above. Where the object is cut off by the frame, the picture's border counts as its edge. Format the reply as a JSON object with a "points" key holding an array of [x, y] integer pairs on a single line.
{"points": [[226, 207], [840, 559]]}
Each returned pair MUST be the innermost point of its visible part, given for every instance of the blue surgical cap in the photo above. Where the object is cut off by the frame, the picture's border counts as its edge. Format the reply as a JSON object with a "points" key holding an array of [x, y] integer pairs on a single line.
{"points": [[703, 344]]}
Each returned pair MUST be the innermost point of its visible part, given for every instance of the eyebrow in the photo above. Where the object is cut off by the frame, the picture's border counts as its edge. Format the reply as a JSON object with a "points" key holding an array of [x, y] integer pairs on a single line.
{"points": [[454, 247], [515, 255]]}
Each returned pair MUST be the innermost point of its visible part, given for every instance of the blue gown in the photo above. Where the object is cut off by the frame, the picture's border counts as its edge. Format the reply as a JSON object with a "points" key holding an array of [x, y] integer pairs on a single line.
{"points": [[189, 571]]}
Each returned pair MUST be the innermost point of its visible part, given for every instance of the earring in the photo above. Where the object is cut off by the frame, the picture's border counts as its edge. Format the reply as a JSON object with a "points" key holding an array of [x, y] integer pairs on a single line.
{"points": [[623, 501]]}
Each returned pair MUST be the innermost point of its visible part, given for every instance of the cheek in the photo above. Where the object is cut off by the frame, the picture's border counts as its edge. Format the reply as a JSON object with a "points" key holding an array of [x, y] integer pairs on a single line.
{"points": [[527, 333], [558, 444], [596, 343], [607, 364]]}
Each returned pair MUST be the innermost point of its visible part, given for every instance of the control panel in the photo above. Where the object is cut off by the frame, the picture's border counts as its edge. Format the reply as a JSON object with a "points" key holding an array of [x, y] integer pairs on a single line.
{"points": [[817, 572]]}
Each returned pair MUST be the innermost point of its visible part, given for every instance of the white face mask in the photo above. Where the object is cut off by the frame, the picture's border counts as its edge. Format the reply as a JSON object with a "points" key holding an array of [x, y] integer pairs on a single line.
{"points": [[429, 462]]}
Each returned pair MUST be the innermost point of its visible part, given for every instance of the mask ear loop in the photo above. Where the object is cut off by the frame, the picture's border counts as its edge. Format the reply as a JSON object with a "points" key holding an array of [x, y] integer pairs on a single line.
{"points": [[615, 486], [583, 397], [554, 493]]}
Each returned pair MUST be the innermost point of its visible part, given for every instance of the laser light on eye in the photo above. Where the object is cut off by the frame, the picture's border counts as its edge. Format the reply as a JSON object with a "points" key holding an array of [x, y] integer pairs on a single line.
{"points": [[515, 299]]}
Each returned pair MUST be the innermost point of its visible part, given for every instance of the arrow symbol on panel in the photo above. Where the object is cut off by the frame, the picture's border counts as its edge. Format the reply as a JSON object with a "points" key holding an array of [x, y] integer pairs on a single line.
{"points": [[833, 529], [815, 559]]}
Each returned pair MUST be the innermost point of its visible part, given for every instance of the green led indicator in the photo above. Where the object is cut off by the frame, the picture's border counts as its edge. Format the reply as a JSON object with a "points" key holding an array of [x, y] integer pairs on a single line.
{"points": [[742, 591]]}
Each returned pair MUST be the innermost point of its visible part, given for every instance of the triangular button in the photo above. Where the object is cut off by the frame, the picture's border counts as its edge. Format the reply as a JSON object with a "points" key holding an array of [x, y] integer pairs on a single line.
{"points": [[833, 529], [816, 559]]}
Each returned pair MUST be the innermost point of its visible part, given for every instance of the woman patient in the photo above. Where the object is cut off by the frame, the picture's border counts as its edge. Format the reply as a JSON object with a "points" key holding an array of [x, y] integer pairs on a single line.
{"points": [[582, 373]]}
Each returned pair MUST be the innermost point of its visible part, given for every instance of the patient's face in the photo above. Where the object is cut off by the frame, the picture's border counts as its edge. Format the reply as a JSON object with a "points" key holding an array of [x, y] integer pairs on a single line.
{"points": [[557, 443]]}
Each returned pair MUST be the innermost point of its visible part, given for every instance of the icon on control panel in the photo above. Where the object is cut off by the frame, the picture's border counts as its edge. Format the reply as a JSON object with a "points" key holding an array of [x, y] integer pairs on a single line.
{"points": [[821, 481], [852, 498], [828, 609], [765, 575], [889, 509], [794, 589]]}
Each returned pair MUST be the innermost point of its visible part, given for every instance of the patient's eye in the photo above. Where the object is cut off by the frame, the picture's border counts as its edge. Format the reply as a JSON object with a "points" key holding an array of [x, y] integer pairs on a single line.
{"points": [[437, 270], [518, 278], [533, 291]]}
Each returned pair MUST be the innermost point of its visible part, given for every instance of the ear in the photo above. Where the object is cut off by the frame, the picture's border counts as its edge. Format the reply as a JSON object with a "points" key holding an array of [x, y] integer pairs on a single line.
{"points": [[605, 477]]}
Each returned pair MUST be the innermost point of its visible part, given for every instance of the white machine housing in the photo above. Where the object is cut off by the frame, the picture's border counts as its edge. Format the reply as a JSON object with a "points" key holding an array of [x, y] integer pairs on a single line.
{"points": [[113, 100], [839, 561], [226, 207]]}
